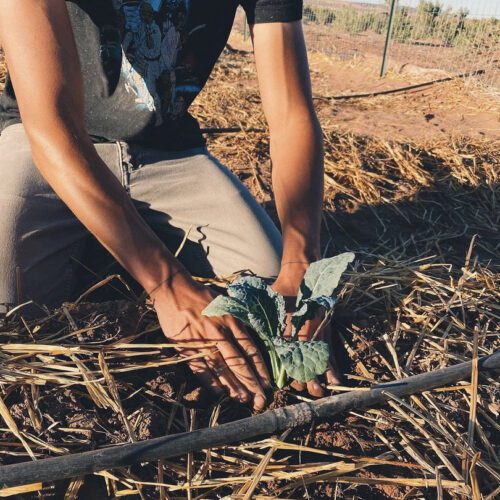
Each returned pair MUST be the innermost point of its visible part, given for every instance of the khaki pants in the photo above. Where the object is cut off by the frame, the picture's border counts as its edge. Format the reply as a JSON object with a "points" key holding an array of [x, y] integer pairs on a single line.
{"points": [[42, 244]]}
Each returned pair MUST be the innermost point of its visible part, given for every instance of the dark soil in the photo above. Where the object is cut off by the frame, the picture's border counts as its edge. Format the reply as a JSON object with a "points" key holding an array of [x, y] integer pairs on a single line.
{"points": [[70, 420]]}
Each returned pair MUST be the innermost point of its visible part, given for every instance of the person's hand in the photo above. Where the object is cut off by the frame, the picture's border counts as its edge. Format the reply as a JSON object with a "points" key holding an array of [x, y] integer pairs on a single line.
{"points": [[331, 376], [234, 364], [287, 284]]}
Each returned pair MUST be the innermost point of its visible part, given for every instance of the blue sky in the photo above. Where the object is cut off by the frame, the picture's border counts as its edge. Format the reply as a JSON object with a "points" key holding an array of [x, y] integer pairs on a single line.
{"points": [[477, 8]]}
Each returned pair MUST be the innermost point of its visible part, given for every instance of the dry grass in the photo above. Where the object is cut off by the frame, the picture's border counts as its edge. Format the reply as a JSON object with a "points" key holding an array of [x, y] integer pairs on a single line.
{"points": [[423, 219]]}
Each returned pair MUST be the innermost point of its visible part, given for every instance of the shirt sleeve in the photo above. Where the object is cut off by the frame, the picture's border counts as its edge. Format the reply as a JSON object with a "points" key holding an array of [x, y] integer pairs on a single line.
{"points": [[272, 11]]}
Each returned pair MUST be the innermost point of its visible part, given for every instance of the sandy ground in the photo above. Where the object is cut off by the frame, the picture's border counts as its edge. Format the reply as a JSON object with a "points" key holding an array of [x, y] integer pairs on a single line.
{"points": [[455, 108]]}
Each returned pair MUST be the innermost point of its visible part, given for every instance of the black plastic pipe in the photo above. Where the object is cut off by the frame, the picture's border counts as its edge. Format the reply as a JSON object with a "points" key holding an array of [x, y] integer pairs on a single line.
{"points": [[81, 464]]}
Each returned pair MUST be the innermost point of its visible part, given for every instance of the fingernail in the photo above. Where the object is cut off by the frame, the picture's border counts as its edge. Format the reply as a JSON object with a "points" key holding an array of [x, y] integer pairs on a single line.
{"points": [[298, 386], [243, 397], [317, 387], [259, 402]]}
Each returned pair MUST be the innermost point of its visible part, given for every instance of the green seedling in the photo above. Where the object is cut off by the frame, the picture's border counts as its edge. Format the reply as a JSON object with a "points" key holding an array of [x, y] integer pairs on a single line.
{"points": [[252, 301]]}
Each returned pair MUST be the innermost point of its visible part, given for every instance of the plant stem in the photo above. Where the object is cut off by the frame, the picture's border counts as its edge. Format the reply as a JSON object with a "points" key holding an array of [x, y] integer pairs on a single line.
{"points": [[275, 366], [279, 374], [281, 378]]}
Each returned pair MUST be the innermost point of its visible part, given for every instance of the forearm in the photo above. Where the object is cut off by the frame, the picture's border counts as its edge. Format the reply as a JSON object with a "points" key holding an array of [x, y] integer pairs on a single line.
{"points": [[69, 162], [297, 158], [296, 137], [43, 62]]}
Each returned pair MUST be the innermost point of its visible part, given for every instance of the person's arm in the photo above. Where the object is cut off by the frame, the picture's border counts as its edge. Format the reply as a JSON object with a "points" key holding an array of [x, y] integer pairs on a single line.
{"points": [[43, 62], [296, 138], [296, 141]]}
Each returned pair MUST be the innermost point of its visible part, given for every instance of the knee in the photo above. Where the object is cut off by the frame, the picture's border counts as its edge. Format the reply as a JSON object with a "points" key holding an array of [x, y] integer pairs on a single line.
{"points": [[21, 207], [266, 256], [22, 196], [20, 176], [249, 241], [10, 209]]}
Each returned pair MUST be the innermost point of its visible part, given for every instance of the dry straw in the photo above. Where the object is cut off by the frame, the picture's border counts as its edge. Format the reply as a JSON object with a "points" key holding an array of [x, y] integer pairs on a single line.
{"points": [[423, 219]]}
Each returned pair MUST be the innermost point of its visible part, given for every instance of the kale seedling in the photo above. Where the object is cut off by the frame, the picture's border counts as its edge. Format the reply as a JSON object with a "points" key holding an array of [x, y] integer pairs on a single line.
{"points": [[254, 303]]}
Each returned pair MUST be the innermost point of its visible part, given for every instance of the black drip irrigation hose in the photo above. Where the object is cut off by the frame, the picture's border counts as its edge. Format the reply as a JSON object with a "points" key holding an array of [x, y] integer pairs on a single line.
{"points": [[408, 88], [230, 130], [270, 422], [400, 89]]}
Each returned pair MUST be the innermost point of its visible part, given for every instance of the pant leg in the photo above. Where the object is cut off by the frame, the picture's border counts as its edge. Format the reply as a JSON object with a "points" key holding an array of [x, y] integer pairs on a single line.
{"points": [[40, 238], [193, 192]]}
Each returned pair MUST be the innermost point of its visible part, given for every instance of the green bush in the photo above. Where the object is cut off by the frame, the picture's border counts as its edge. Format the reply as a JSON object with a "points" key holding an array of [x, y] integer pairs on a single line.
{"points": [[430, 21], [319, 15]]}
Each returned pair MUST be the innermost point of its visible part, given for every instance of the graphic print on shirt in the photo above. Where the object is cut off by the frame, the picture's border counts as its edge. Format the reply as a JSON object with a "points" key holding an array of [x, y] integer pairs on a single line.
{"points": [[157, 68]]}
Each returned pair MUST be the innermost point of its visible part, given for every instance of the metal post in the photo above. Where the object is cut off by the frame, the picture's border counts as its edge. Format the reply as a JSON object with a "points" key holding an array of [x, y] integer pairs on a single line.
{"points": [[388, 38]]}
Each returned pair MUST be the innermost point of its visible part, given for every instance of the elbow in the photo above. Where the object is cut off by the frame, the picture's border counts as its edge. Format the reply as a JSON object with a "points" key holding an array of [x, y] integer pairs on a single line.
{"points": [[60, 118], [303, 124], [296, 117], [55, 134]]}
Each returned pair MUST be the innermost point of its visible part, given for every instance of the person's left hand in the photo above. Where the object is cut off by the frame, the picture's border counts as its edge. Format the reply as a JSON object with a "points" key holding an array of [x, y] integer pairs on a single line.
{"points": [[287, 284]]}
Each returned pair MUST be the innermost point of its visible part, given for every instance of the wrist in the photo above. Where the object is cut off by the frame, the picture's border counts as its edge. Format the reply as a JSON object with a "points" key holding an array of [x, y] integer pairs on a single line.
{"points": [[290, 277], [161, 274], [293, 268], [299, 249], [178, 292]]}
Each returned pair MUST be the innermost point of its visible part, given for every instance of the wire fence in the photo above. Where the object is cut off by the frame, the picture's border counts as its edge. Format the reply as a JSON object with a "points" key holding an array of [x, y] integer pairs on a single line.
{"points": [[424, 35]]}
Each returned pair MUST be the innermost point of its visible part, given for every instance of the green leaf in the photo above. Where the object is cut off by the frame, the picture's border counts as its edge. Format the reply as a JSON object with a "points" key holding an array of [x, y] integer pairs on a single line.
{"points": [[317, 287], [303, 360], [260, 326], [325, 301], [243, 287], [322, 278], [267, 306], [299, 317], [222, 305]]}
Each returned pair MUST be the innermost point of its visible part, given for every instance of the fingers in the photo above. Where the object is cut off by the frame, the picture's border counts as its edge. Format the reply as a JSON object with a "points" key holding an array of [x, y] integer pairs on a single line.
{"points": [[314, 388], [332, 376], [244, 376], [225, 368], [310, 327], [214, 374], [251, 351], [228, 380], [200, 368], [298, 386]]}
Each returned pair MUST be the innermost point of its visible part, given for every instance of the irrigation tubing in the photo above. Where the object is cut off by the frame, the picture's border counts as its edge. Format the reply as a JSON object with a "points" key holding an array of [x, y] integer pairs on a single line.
{"points": [[270, 422], [401, 89], [417, 86]]}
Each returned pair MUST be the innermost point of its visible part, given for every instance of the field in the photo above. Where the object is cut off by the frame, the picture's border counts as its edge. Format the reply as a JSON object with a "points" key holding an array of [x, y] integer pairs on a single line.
{"points": [[428, 36], [412, 188]]}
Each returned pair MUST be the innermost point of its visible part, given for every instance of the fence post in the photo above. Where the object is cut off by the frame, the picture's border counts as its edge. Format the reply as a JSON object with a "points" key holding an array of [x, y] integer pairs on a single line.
{"points": [[388, 37]]}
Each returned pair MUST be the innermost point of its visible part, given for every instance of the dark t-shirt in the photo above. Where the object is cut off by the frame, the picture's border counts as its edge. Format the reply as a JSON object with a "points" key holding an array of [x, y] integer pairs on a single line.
{"points": [[144, 62]]}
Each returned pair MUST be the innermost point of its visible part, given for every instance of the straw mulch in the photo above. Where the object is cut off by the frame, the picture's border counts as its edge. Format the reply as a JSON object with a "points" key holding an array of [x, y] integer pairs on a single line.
{"points": [[423, 220]]}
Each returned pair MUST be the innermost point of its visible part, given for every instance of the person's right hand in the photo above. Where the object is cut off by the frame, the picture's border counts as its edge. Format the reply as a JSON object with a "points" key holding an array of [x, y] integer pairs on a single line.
{"points": [[234, 364]]}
